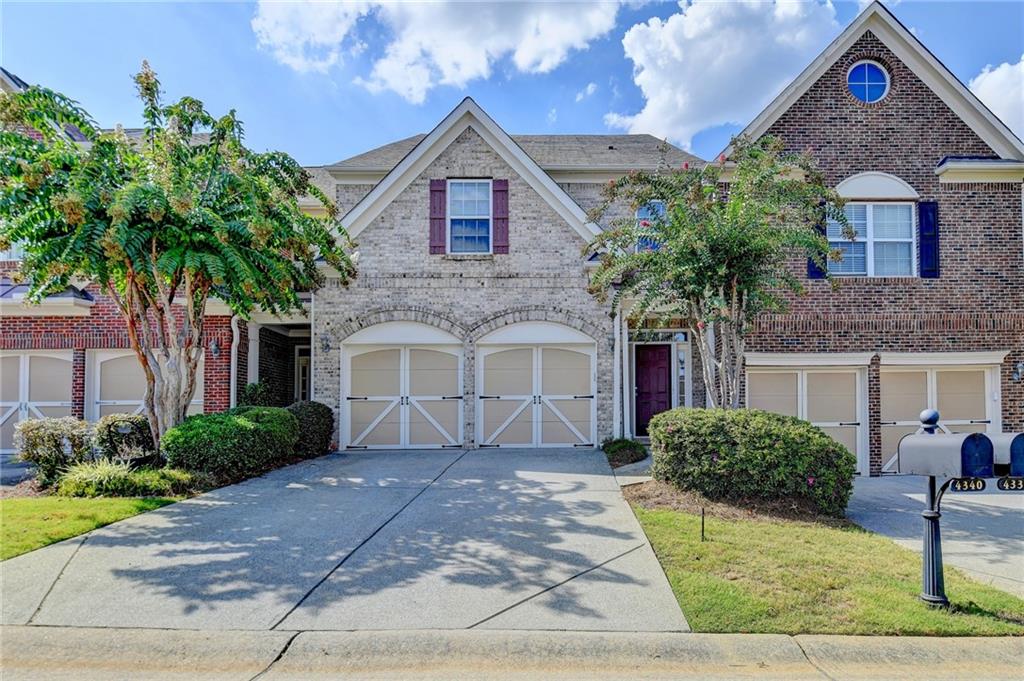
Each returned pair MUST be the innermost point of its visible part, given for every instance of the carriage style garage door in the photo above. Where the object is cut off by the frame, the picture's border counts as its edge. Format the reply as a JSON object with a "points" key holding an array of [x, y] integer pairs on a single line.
{"points": [[537, 394], [961, 395], [832, 399], [116, 384], [33, 385]]}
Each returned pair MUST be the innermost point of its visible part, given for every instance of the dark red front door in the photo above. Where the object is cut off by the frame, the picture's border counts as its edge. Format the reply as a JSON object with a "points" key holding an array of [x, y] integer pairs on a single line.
{"points": [[653, 383]]}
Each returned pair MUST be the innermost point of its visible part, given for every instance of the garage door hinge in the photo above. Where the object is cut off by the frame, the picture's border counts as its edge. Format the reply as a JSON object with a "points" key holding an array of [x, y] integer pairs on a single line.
{"points": [[849, 423], [585, 444], [355, 447], [451, 446], [485, 446], [451, 397], [583, 397], [357, 398], [490, 397]]}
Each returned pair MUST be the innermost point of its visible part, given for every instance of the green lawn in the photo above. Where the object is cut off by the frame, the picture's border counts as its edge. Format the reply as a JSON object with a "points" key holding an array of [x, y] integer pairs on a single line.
{"points": [[28, 523], [798, 577]]}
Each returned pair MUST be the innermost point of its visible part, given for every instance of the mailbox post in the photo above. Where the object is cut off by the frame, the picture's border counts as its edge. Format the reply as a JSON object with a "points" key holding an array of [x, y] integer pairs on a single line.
{"points": [[953, 456]]}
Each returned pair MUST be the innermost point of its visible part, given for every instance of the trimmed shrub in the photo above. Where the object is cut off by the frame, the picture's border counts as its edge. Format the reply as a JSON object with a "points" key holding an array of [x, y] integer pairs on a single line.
{"points": [[232, 445], [316, 428], [747, 454], [105, 478], [258, 394], [52, 445], [114, 444], [622, 451]]}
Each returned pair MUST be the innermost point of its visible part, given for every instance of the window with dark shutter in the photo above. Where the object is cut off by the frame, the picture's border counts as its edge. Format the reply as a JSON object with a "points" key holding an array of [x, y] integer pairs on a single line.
{"points": [[438, 238], [499, 191], [928, 239], [813, 270]]}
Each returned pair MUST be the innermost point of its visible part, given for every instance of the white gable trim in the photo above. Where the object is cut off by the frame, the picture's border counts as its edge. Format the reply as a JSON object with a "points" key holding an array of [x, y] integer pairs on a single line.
{"points": [[468, 114], [918, 59]]}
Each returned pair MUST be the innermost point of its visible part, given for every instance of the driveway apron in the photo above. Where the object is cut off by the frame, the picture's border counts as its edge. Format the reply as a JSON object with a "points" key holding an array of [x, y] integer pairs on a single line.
{"points": [[521, 539]]}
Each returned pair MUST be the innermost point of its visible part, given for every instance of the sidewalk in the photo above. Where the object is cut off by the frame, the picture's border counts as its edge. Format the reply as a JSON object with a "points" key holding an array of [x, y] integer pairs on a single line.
{"points": [[84, 654]]}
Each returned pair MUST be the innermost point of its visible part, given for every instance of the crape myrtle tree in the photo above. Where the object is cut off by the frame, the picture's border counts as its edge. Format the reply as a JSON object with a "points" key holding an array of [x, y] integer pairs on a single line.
{"points": [[716, 250], [160, 222]]}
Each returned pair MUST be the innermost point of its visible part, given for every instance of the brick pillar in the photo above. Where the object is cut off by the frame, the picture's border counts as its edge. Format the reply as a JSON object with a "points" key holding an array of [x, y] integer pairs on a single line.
{"points": [[217, 369], [78, 383], [875, 417]]}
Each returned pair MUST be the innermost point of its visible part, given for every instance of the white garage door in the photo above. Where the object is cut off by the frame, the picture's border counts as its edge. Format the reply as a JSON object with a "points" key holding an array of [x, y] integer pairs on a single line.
{"points": [[535, 396], [403, 397], [960, 394], [116, 384], [32, 385], [831, 399]]}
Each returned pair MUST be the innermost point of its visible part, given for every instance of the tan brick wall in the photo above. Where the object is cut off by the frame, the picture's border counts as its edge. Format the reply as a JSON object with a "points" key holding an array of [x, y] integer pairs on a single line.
{"points": [[541, 279]]}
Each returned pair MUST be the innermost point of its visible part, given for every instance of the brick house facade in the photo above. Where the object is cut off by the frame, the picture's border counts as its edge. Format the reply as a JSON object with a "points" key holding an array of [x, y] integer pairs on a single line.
{"points": [[428, 347]]}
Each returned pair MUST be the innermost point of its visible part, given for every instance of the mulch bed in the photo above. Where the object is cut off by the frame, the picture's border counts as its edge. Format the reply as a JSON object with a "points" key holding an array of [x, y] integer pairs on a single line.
{"points": [[661, 495], [25, 488]]}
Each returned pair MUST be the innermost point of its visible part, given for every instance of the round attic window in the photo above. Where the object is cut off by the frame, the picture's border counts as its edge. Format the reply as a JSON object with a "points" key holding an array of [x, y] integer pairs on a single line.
{"points": [[868, 81]]}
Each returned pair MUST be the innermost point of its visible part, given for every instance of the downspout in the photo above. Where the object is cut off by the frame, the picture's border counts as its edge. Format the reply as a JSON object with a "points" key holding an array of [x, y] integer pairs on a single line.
{"points": [[235, 339], [616, 376]]}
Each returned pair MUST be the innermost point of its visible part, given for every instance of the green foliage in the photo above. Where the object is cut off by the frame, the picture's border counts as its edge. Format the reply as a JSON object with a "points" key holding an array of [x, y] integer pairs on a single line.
{"points": [[160, 222], [52, 445], [233, 445], [316, 428], [720, 254], [111, 443], [751, 454], [622, 451], [258, 394], [106, 478]]}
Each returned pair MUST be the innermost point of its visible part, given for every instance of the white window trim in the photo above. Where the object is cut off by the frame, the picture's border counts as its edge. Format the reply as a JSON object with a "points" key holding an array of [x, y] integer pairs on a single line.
{"points": [[885, 72], [489, 217], [869, 240]]}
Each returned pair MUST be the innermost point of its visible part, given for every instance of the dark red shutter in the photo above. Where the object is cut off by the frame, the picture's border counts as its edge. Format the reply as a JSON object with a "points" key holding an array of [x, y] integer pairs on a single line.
{"points": [[928, 239], [499, 195], [438, 208]]}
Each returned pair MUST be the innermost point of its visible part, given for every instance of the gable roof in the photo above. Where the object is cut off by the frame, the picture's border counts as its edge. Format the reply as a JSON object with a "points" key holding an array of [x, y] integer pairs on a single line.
{"points": [[912, 52], [467, 114], [551, 152]]}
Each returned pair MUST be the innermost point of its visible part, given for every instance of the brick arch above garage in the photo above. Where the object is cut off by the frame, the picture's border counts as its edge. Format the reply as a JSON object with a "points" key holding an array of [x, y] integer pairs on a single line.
{"points": [[537, 313], [401, 314]]}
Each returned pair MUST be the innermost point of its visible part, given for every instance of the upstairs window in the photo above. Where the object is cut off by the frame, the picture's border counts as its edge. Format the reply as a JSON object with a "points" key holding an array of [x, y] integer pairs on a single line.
{"points": [[884, 246], [653, 211], [469, 216], [868, 81]]}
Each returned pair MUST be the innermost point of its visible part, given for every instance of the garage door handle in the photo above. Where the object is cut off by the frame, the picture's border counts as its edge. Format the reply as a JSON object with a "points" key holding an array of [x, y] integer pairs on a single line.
{"points": [[981, 421], [850, 423], [582, 397], [888, 423], [490, 397], [451, 397], [357, 398]]}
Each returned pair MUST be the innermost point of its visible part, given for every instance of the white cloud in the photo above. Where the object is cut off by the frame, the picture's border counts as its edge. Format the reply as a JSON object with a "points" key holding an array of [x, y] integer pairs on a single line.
{"points": [[1001, 88], [586, 92], [714, 63], [432, 44]]}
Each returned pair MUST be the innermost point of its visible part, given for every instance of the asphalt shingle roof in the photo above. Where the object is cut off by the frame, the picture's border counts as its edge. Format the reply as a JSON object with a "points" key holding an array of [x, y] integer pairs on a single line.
{"points": [[551, 152]]}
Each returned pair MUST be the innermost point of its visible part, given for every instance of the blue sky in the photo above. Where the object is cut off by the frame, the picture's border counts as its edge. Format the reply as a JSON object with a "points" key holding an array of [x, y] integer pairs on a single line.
{"points": [[325, 82]]}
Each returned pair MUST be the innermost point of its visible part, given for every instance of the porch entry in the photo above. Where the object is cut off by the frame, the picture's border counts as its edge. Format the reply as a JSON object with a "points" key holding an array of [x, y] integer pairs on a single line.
{"points": [[653, 383]]}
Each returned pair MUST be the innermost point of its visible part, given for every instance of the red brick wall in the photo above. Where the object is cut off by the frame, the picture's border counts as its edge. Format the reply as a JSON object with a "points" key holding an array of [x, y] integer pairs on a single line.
{"points": [[104, 328], [976, 304]]}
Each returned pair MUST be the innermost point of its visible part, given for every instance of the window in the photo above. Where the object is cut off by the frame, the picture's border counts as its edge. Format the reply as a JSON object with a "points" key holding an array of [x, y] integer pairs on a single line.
{"points": [[469, 216], [868, 81], [884, 246], [655, 210], [15, 252]]}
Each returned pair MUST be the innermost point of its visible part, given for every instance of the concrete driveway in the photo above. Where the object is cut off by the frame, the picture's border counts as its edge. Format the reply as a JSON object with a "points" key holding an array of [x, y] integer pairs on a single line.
{"points": [[982, 533], [495, 539]]}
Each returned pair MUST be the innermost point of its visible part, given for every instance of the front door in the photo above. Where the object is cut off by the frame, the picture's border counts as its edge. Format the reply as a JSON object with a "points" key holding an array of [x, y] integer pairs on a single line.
{"points": [[653, 383]]}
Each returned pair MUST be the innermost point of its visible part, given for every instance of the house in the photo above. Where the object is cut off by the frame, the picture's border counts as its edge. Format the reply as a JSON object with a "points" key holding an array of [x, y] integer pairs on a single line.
{"points": [[470, 323]]}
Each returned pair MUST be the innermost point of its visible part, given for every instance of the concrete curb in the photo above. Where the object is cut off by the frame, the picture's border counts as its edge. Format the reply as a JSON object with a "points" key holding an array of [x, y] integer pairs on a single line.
{"points": [[36, 652]]}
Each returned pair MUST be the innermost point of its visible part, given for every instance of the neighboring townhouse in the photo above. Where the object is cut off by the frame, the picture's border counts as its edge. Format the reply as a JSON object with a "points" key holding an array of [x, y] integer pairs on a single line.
{"points": [[470, 324]]}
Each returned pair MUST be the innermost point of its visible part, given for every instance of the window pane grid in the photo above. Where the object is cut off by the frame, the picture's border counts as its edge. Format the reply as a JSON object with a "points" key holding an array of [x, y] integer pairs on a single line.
{"points": [[469, 211], [884, 246]]}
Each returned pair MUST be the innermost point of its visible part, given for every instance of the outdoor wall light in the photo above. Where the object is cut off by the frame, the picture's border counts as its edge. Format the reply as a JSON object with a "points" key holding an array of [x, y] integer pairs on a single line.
{"points": [[215, 348], [1018, 372], [325, 344]]}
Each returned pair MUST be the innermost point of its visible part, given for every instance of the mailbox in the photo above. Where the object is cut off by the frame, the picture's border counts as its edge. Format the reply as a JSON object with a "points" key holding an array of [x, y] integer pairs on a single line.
{"points": [[958, 455], [1008, 453]]}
